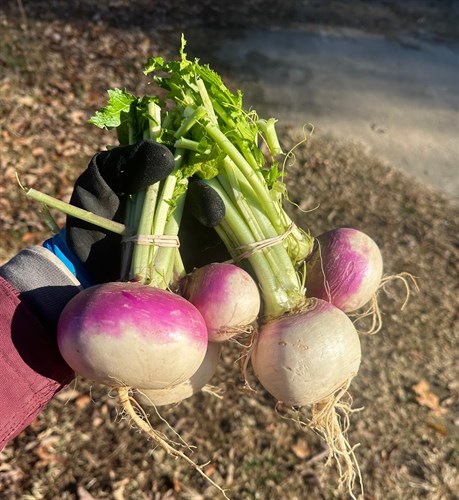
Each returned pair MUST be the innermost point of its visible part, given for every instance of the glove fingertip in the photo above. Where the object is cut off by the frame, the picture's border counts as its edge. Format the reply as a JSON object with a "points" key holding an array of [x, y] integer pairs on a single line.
{"points": [[157, 163], [205, 203]]}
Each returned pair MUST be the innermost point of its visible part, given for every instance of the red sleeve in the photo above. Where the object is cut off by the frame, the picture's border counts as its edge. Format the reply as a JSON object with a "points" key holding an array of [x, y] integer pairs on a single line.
{"points": [[31, 368]]}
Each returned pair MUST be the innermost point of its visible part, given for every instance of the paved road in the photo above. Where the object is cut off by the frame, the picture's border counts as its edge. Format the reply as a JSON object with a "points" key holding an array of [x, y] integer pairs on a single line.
{"points": [[399, 97]]}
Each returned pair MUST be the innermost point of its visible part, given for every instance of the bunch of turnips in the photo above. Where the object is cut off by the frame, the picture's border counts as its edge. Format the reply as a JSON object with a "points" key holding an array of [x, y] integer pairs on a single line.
{"points": [[157, 331]]}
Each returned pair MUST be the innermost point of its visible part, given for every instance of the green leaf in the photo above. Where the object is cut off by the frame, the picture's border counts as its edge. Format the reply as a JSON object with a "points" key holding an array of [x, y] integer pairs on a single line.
{"points": [[154, 64], [111, 116]]}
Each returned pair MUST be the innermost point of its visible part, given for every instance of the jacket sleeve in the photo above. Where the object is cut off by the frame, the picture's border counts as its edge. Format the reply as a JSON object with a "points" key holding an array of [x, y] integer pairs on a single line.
{"points": [[34, 287]]}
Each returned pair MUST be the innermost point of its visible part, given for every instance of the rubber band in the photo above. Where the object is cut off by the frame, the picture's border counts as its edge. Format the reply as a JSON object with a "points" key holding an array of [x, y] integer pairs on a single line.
{"points": [[256, 246], [163, 240]]}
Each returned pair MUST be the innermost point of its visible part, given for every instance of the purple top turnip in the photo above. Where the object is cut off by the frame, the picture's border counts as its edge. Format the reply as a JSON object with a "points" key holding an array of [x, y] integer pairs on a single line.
{"points": [[345, 269], [226, 296], [302, 358], [132, 334]]}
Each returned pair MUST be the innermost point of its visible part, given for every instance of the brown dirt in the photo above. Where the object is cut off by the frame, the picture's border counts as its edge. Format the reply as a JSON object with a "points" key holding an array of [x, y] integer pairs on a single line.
{"points": [[56, 61]]}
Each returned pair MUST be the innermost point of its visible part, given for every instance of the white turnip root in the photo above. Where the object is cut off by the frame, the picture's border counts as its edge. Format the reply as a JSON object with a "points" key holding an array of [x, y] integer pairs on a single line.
{"points": [[226, 296], [303, 358], [308, 358], [344, 269], [184, 390], [128, 334]]}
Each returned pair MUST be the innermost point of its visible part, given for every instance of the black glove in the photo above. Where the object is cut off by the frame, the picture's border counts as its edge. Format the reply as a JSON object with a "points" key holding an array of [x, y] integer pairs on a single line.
{"points": [[204, 209]]}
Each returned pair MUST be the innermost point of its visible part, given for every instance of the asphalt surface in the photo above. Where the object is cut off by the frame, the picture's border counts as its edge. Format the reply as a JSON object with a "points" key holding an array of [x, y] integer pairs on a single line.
{"points": [[399, 97]]}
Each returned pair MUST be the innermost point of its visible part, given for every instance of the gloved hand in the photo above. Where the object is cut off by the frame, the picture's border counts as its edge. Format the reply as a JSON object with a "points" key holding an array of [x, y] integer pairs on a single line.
{"points": [[94, 254]]}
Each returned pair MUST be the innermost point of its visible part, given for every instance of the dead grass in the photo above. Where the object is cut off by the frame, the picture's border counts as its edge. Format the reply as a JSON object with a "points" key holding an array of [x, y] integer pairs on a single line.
{"points": [[54, 74]]}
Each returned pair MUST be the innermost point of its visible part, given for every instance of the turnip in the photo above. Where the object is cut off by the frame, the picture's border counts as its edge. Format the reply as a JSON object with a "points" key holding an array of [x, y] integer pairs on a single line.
{"points": [[303, 358], [344, 269], [184, 390], [308, 358], [226, 296], [129, 334]]}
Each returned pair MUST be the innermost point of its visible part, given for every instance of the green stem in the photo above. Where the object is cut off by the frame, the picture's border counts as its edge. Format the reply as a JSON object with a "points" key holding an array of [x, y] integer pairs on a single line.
{"points": [[154, 121], [78, 213], [190, 145], [268, 127], [164, 207], [132, 215], [206, 101], [166, 261], [222, 114], [141, 255], [280, 287], [152, 264], [260, 225], [260, 189], [178, 271], [191, 117], [298, 243]]}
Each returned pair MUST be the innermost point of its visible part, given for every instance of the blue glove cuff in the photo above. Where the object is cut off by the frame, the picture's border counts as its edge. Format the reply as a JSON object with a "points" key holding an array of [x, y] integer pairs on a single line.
{"points": [[58, 246]]}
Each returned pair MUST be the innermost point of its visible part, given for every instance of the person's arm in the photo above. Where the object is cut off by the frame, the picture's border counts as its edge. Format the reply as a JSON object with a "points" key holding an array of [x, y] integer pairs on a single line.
{"points": [[34, 288]]}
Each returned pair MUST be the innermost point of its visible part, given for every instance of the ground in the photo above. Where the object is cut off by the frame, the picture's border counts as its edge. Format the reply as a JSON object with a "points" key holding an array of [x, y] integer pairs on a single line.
{"points": [[57, 59]]}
